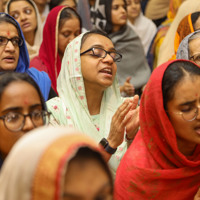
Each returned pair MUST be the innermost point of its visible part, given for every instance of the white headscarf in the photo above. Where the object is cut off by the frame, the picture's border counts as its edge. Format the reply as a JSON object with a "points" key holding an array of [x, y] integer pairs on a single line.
{"points": [[36, 166]]}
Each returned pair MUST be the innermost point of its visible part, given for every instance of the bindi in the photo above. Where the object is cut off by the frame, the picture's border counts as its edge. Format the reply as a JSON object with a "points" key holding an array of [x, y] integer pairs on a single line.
{"points": [[8, 33], [26, 101]]}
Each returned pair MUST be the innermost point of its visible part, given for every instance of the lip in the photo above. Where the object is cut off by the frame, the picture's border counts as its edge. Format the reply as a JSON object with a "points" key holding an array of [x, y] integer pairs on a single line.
{"points": [[107, 71], [25, 25], [197, 130], [123, 17], [9, 59]]}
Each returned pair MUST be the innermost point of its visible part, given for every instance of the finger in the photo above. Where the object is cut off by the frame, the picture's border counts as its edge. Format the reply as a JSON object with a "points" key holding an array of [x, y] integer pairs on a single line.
{"points": [[122, 111], [128, 79], [134, 102]]}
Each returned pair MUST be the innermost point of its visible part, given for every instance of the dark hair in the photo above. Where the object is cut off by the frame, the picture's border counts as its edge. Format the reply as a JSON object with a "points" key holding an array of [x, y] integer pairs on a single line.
{"points": [[173, 75], [68, 13], [92, 32], [8, 19], [7, 78], [54, 3], [85, 154], [194, 18]]}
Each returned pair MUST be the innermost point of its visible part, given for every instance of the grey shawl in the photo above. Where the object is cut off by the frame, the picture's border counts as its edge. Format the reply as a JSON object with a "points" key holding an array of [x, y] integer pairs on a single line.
{"points": [[183, 49], [133, 63], [127, 42]]}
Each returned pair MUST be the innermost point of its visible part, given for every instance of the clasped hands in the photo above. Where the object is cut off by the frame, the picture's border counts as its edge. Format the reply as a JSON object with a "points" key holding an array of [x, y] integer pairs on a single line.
{"points": [[125, 119]]}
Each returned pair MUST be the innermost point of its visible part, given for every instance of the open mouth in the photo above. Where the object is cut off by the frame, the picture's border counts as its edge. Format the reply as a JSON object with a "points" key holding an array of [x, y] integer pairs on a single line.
{"points": [[107, 71], [9, 59]]}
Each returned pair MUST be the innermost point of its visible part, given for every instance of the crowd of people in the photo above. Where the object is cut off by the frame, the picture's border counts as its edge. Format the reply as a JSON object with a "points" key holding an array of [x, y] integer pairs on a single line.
{"points": [[99, 99]]}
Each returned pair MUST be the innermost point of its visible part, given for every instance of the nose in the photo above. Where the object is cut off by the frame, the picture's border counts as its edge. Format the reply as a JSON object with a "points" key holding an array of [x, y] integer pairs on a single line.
{"points": [[123, 9], [22, 16], [198, 113], [108, 59], [71, 37], [28, 124], [10, 47]]}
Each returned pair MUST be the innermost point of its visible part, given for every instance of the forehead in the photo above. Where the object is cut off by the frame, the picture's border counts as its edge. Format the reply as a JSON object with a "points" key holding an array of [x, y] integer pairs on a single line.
{"points": [[96, 39], [194, 46], [187, 88], [17, 5], [6, 27], [117, 2]]}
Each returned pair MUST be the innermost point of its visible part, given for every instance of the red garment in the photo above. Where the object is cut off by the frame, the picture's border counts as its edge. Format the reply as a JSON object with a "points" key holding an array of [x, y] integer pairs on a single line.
{"points": [[37, 63], [153, 167], [49, 48]]}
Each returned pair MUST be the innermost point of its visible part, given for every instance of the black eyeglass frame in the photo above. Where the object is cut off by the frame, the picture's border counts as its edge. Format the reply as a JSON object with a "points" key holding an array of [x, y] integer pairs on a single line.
{"points": [[106, 52], [11, 39], [43, 112]]}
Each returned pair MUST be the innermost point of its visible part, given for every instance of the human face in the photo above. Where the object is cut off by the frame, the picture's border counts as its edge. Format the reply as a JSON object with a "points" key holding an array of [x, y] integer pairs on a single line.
{"points": [[9, 54], [25, 14], [20, 97], [194, 50], [67, 32], [133, 9], [69, 3], [98, 73], [86, 181], [186, 96], [118, 14]]}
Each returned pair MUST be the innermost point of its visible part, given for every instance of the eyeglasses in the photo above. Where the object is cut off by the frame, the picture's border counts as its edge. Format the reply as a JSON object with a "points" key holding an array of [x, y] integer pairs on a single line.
{"points": [[15, 121], [16, 41], [102, 53], [190, 114]]}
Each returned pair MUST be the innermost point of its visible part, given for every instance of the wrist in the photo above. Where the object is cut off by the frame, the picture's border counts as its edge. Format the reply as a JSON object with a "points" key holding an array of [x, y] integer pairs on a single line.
{"points": [[105, 144]]}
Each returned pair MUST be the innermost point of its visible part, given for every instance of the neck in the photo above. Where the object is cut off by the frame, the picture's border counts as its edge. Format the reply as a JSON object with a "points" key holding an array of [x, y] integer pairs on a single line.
{"points": [[41, 8], [132, 20], [30, 37], [116, 28], [186, 149], [94, 98]]}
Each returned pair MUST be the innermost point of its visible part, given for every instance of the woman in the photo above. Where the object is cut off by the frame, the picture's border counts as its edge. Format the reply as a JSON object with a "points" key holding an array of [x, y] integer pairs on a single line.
{"points": [[143, 26], [189, 48], [163, 161], [65, 165], [188, 24], [134, 64], [25, 12], [14, 54], [89, 96], [22, 108], [153, 54], [63, 24], [166, 50]]}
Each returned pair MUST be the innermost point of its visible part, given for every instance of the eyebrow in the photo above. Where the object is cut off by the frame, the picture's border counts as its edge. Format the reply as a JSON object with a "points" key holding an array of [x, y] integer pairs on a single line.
{"points": [[102, 47], [188, 103], [22, 8], [15, 109]]}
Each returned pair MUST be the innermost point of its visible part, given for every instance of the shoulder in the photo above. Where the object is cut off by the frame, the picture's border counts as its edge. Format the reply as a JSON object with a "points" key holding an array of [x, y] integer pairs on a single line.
{"points": [[37, 63]]}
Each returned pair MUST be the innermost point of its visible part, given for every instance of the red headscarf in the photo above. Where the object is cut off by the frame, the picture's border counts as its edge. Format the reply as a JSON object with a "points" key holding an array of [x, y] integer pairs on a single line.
{"points": [[153, 167], [49, 48]]}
